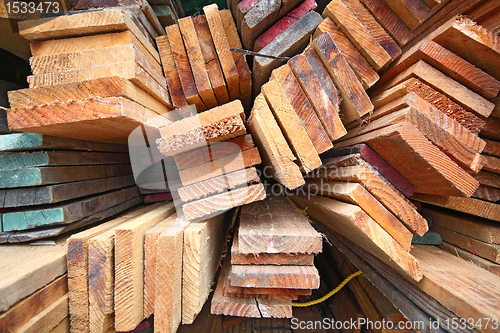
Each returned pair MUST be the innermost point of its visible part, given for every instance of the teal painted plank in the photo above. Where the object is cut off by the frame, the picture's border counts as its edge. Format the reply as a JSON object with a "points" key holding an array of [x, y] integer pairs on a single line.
{"points": [[429, 238], [20, 141], [23, 160], [19, 178]]}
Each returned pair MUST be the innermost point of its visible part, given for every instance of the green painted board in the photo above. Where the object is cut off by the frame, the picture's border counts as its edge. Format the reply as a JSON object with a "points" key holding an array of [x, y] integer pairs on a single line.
{"points": [[18, 160], [68, 212], [32, 141], [429, 238], [37, 176]]}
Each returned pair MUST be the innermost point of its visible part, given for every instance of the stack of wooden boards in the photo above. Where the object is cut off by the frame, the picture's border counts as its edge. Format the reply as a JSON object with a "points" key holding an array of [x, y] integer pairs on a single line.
{"points": [[51, 185], [270, 262], [199, 66], [95, 77], [215, 157]]}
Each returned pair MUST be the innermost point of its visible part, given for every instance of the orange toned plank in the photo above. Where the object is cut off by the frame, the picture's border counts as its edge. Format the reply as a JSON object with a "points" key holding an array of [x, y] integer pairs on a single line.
{"points": [[412, 12], [267, 276]]}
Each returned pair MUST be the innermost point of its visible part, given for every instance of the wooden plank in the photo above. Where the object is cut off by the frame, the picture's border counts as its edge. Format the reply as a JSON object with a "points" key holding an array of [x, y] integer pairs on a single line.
{"points": [[286, 22], [474, 227], [197, 62], [448, 63], [241, 9], [171, 72], [426, 160], [412, 12], [267, 276], [340, 13], [239, 58], [102, 87], [294, 259], [129, 267], [62, 327], [218, 124], [203, 244], [220, 166], [389, 20], [48, 318], [491, 129], [166, 16], [487, 193], [492, 148], [356, 194], [488, 178], [100, 252], [211, 60], [355, 100], [437, 99], [365, 73], [150, 262], [222, 47], [294, 131], [22, 312], [483, 11], [115, 117], [326, 105], [276, 154], [222, 202], [457, 92], [22, 197], [288, 44], [45, 175], [293, 233], [492, 164], [471, 206], [26, 268], [79, 269], [376, 162], [218, 184], [183, 68], [383, 191], [455, 295], [473, 258], [352, 222]]}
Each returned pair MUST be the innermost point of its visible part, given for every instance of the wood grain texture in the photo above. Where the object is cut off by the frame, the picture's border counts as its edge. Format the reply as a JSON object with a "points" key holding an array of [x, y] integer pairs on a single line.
{"points": [[412, 12], [491, 129], [48, 318], [389, 20], [218, 184], [183, 67], [203, 244], [222, 47], [488, 178], [168, 291], [487, 193], [290, 124], [326, 105], [275, 152], [197, 62], [266, 276], [382, 190], [211, 60], [340, 13], [476, 260], [363, 70], [353, 223], [275, 226], [303, 108], [355, 100], [258, 19], [129, 267], [222, 202], [492, 164], [356, 194]]}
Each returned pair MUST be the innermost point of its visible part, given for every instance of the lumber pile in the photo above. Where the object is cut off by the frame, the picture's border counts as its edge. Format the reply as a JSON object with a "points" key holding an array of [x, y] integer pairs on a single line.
{"points": [[199, 66], [216, 159], [270, 262], [51, 185], [91, 70]]}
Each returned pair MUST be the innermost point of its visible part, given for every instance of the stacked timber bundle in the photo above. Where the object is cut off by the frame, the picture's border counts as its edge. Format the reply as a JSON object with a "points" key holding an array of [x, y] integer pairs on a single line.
{"points": [[270, 262], [100, 79], [198, 64], [215, 157], [52, 185]]}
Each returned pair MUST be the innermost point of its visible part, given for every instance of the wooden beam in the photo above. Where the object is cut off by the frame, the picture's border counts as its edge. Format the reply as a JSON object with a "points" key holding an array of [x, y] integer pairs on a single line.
{"points": [[276, 154], [48, 318], [340, 13], [491, 129], [353, 223], [267, 276], [325, 106], [303, 108], [211, 60], [129, 267], [488, 178], [363, 70], [473, 258], [222, 202], [203, 244], [290, 124], [355, 100], [492, 148], [492, 164], [292, 235], [412, 12], [487, 193]]}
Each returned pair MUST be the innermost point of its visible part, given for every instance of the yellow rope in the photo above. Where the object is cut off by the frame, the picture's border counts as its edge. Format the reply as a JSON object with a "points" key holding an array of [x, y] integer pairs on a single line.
{"points": [[330, 294]]}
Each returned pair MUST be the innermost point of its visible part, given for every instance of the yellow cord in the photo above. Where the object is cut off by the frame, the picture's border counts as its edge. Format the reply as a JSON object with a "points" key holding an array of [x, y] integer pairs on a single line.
{"points": [[330, 294]]}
